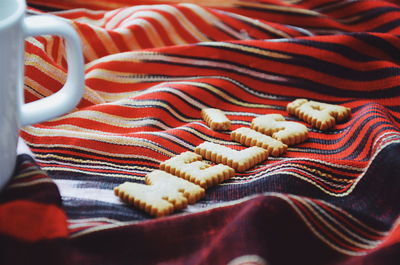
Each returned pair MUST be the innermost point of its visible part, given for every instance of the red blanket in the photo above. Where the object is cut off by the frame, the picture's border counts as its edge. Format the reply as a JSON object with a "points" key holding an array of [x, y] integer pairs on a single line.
{"points": [[151, 66]]}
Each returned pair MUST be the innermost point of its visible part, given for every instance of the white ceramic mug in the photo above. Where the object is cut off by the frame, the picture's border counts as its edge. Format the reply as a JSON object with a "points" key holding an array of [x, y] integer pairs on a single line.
{"points": [[14, 27]]}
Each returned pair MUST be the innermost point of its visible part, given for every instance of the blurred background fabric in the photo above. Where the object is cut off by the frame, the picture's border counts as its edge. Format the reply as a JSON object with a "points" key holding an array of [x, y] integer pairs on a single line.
{"points": [[151, 66]]}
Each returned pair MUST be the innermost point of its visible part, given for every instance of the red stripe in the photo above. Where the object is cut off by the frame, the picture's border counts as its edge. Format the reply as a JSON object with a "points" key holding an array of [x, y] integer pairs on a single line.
{"points": [[32, 221]]}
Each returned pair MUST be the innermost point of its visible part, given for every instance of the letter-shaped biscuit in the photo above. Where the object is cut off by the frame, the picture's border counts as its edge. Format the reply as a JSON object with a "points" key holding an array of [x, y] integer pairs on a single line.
{"points": [[164, 193], [319, 115], [188, 165], [250, 137], [215, 119], [275, 125], [238, 160]]}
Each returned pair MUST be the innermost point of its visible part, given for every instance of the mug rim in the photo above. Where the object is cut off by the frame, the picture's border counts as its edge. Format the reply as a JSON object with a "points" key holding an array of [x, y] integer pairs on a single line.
{"points": [[13, 17]]}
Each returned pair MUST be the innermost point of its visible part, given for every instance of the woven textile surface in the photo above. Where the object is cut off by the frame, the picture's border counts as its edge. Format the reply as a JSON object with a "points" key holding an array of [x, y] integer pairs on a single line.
{"points": [[150, 67]]}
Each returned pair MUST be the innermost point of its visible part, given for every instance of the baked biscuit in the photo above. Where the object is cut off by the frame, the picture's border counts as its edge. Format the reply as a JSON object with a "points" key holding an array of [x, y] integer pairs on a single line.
{"points": [[189, 166], [164, 193], [250, 137], [215, 119], [277, 127], [319, 115], [238, 160]]}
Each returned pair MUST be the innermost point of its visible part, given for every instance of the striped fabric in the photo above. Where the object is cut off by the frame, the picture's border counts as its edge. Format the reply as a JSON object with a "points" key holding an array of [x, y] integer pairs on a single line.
{"points": [[151, 66]]}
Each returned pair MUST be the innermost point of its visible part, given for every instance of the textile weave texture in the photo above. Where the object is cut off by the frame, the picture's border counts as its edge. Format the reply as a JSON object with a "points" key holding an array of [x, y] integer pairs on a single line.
{"points": [[150, 67]]}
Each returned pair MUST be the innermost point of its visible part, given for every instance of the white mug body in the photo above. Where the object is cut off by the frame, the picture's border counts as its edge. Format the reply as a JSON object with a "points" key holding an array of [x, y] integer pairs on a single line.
{"points": [[11, 81], [14, 113]]}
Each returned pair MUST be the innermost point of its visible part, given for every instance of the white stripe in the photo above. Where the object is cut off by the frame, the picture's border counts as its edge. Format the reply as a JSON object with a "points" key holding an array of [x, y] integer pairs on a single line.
{"points": [[69, 190]]}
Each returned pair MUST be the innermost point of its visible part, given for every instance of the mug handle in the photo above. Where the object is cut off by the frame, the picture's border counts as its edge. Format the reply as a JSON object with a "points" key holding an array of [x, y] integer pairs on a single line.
{"points": [[70, 94]]}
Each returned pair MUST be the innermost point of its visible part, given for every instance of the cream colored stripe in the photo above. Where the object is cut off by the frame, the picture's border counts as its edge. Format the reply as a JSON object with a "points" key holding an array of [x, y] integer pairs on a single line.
{"points": [[63, 169], [56, 74], [45, 158], [91, 222], [287, 9], [276, 172], [30, 183], [45, 67], [94, 229], [185, 22], [119, 57], [90, 150], [125, 78], [94, 219], [60, 53], [205, 137], [214, 64], [209, 18], [112, 76], [36, 88], [35, 42], [257, 23], [89, 163], [173, 139], [83, 18], [89, 168], [148, 28], [90, 21], [253, 50], [370, 243], [333, 229], [168, 27], [285, 168], [105, 138], [117, 16], [165, 87], [110, 96], [358, 222], [40, 91], [352, 187], [113, 120], [92, 96], [88, 51], [317, 233], [213, 3], [144, 103], [292, 2], [77, 10], [72, 189], [107, 41], [227, 96], [144, 78], [29, 174], [100, 132], [49, 44], [129, 39]]}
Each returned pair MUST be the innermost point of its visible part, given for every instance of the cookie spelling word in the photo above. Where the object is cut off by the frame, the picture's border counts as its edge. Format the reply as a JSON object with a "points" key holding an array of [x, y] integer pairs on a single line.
{"points": [[183, 178], [320, 115]]}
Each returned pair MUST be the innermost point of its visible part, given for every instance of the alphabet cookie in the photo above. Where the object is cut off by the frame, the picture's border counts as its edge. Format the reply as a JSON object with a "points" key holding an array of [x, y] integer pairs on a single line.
{"points": [[215, 119], [164, 193], [250, 137], [320, 115], [277, 127], [188, 165], [238, 160]]}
